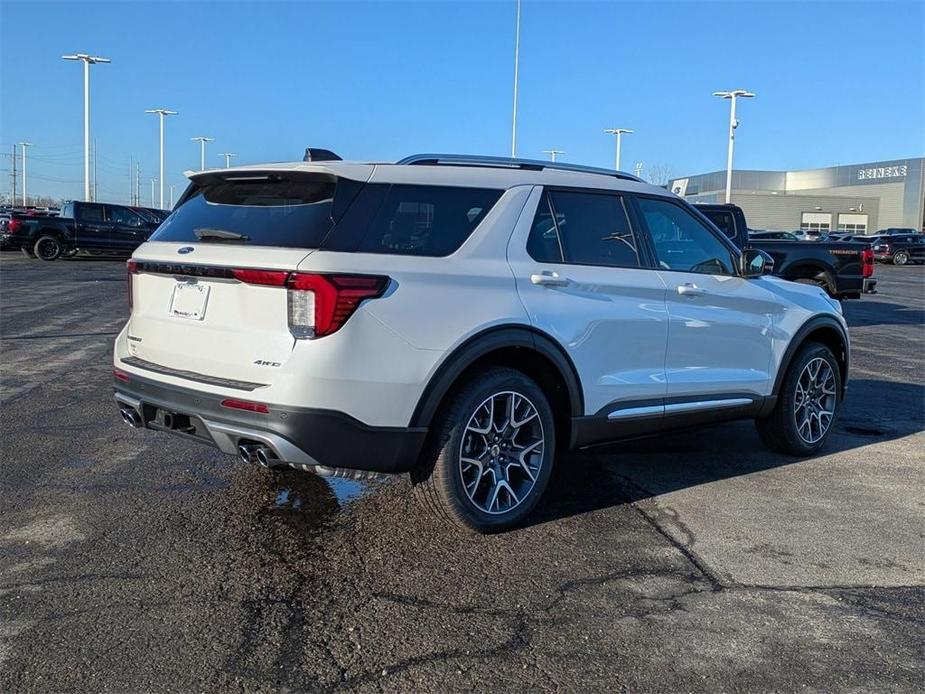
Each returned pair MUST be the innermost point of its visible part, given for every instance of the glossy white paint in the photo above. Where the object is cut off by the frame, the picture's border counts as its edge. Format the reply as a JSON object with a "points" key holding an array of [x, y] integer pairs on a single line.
{"points": [[629, 332]]}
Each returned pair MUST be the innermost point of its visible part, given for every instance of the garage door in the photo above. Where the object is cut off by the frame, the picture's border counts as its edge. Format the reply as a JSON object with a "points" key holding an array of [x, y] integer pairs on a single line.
{"points": [[852, 223], [816, 221]]}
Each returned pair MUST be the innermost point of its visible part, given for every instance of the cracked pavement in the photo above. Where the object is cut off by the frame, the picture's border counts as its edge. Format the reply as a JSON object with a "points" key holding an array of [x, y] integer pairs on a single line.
{"points": [[697, 562]]}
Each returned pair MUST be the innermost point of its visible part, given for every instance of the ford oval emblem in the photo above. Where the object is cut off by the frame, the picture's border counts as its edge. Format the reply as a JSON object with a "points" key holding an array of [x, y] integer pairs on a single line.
{"points": [[185, 250]]}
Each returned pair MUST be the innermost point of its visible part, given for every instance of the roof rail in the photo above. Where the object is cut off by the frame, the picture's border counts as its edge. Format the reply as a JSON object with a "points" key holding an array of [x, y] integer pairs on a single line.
{"points": [[510, 163]]}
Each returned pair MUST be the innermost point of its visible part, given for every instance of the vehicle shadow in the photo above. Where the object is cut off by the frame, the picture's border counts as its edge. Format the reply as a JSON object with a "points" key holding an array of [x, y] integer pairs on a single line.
{"points": [[861, 315], [608, 476]]}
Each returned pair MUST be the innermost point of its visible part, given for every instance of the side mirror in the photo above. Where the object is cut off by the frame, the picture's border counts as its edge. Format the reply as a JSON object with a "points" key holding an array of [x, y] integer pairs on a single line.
{"points": [[755, 263]]}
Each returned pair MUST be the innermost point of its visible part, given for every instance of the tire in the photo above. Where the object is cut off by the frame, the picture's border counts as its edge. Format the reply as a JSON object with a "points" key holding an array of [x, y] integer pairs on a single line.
{"points": [[900, 258], [489, 489], [27, 252], [47, 248], [789, 429]]}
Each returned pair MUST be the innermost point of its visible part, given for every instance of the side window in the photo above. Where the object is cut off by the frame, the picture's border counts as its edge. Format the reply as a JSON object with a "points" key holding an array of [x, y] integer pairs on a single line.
{"points": [[681, 242], [124, 217], [426, 220], [724, 221], [543, 243], [582, 228], [90, 213]]}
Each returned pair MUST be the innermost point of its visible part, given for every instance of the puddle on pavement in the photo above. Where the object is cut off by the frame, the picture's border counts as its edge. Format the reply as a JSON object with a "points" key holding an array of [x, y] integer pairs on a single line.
{"points": [[343, 490]]}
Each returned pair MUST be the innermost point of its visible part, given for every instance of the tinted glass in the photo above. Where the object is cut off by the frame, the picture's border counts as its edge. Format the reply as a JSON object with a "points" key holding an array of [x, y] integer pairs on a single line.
{"points": [[426, 220], [543, 242], [124, 217], [681, 242], [723, 220], [91, 213], [594, 229], [290, 211]]}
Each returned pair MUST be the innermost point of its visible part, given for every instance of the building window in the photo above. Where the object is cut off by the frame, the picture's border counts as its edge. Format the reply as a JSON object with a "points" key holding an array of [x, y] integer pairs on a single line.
{"points": [[816, 221], [852, 223]]}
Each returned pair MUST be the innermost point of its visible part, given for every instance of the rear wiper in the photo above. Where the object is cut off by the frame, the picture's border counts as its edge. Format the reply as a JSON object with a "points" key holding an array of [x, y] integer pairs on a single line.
{"points": [[207, 233]]}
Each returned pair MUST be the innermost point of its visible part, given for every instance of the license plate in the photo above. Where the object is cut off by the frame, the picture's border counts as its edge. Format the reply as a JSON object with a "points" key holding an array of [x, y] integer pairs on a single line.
{"points": [[189, 300]]}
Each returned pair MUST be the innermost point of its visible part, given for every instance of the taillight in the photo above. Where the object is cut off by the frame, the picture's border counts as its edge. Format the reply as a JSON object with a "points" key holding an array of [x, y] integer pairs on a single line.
{"points": [[131, 270], [273, 278], [867, 263], [13, 226], [320, 304]]}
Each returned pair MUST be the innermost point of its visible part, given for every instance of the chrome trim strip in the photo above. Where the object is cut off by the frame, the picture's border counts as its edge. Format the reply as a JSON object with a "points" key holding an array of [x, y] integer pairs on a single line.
{"points": [[680, 407], [646, 411], [140, 363]]}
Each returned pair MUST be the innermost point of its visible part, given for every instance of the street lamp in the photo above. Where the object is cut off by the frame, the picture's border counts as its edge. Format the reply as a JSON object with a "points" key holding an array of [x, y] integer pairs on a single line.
{"points": [[201, 139], [619, 132], [161, 112], [88, 60], [228, 156], [516, 69], [553, 152], [733, 124], [23, 145]]}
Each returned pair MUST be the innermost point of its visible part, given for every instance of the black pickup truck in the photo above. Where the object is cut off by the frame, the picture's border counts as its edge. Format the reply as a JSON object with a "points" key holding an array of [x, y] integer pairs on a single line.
{"points": [[82, 226], [845, 269]]}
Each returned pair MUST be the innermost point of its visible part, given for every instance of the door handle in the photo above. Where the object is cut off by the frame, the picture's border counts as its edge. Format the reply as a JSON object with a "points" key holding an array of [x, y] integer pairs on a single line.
{"points": [[549, 279], [690, 289]]}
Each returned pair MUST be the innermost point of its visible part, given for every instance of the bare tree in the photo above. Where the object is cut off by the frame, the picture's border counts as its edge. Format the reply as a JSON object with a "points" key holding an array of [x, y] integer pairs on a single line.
{"points": [[658, 174]]}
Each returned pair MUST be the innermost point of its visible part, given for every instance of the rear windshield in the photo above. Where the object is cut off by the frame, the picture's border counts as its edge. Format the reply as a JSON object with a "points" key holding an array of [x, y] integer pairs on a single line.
{"points": [[265, 210]]}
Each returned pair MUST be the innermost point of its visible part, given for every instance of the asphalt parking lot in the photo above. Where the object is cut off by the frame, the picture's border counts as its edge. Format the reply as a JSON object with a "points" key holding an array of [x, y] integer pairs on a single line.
{"points": [[697, 562]]}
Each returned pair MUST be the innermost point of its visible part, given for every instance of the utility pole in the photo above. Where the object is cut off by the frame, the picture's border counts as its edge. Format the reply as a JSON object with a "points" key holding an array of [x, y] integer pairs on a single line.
{"points": [[228, 156], [88, 60], [638, 169], [23, 145], [619, 132], [161, 112], [138, 184], [516, 75], [95, 189], [171, 195], [13, 177], [553, 152], [153, 181], [733, 124], [202, 139]]}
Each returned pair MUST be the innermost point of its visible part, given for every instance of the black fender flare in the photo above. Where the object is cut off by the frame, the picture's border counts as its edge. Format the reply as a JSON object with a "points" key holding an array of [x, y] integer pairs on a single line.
{"points": [[488, 341], [809, 327]]}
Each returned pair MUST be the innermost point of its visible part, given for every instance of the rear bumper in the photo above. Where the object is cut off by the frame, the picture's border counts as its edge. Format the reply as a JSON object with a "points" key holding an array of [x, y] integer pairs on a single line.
{"points": [[10, 241], [870, 285], [299, 436]]}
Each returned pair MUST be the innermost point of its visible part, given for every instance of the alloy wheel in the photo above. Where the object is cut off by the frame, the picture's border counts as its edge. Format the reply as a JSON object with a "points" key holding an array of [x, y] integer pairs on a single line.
{"points": [[501, 453], [815, 400], [47, 249], [900, 258]]}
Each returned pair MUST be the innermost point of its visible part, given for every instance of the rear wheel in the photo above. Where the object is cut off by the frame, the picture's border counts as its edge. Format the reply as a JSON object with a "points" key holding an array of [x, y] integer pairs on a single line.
{"points": [[900, 258], [491, 454], [807, 404], [48, 248]]}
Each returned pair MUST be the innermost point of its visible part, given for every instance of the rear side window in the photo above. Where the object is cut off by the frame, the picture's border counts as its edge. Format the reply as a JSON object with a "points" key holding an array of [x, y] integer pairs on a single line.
{"points": [[425, 220], [292, 210], [584, 229], [91, 213]]}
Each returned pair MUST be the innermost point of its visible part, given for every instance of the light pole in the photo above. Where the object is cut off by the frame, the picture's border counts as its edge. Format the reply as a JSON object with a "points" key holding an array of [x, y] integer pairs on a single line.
{"points": [[23, 145], [228, 156], [88, 60], [153, 181], [619, 132], [201, 139], [171, 195], [161, 112], [733, 124], [553, 152], [516, 70]]}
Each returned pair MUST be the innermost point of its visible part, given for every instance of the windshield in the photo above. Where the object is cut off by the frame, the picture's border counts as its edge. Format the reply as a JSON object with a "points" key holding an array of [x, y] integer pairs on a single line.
{"points": [[290, 210]]}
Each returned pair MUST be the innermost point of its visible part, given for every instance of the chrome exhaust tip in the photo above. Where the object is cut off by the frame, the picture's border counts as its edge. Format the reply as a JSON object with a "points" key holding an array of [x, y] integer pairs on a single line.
{"points": [[248, 452], [267, 458], [131, 417]]}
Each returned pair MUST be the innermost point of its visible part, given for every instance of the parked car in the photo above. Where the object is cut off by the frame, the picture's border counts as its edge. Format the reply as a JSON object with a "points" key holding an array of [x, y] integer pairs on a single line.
{"points": [[900, 249], [82, 226], [843, 269], [464, 320], [772, 235]]}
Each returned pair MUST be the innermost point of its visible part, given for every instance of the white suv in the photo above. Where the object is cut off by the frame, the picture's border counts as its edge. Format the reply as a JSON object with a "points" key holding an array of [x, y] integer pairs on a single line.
{"points": [[464, 320]]}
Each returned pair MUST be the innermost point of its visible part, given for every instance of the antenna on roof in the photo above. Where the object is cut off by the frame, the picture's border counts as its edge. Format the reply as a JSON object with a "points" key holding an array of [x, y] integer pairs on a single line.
{"points": [[315, 154]]}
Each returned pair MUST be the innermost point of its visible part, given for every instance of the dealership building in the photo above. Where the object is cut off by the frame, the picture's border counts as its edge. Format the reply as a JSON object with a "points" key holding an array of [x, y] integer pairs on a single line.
{"points": [[858, 198]]}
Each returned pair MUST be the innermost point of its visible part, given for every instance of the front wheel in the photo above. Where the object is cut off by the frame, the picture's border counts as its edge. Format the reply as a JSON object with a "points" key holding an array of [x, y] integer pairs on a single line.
{"points": [[491, 454], [48, 248], [900, 258], [807, 404]]}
